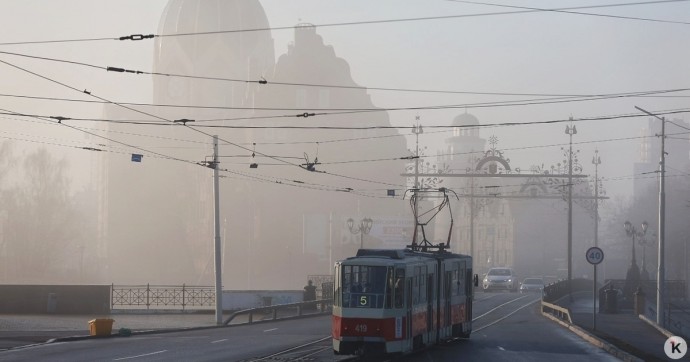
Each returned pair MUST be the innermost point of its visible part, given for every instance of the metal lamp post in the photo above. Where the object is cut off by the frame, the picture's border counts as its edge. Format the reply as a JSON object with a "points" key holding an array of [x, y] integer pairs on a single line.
{"points": [[632, 279], [644, 274], [363, 228]]}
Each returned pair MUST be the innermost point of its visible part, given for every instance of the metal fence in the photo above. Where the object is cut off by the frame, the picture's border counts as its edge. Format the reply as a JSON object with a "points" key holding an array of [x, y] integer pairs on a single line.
{"points": [[561, 288], [161, 296]]}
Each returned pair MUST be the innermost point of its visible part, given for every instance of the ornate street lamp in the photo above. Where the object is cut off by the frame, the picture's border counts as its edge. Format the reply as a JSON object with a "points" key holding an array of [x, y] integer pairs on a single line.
{"points": [[363, 228], [644, 274], [632, 278]]}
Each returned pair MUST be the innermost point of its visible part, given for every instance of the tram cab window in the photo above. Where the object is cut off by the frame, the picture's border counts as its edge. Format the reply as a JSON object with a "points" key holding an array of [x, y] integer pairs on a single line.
{"points": [[364, 286]]}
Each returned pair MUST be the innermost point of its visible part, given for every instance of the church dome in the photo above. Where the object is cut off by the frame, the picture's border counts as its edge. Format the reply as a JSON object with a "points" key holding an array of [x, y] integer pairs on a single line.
{"points": [[234, 55], [465, 119]]}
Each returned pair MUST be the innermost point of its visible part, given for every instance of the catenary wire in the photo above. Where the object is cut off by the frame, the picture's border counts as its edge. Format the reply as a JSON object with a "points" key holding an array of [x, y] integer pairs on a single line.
{"points": [[138, 37], [550, 98], [568, 11]]}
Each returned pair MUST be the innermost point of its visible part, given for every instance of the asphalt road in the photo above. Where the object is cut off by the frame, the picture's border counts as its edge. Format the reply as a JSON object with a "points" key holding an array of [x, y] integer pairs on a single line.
{"points": [[507, 327]]}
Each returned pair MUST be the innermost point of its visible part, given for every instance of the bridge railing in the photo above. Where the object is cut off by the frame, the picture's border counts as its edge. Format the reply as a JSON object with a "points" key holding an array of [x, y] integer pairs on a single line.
{"points": [[162, 296], [556, 311], [561, 288], [282, 311]]}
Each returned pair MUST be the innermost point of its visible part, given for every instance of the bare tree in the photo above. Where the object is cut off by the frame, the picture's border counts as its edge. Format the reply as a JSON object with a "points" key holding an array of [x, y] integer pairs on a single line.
{"points": [[40, 221]]}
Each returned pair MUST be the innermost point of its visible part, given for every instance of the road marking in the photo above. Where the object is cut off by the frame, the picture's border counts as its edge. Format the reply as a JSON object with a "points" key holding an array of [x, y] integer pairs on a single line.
{"points": [[141, 355], [220, 340], [501, 348], [498, 307], [508, 315], [269, 330]]}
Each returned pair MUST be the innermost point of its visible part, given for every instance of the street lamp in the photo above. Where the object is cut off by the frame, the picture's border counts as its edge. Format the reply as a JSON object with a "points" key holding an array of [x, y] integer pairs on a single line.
{"points": [[363, 228], [644, 275], [632, 278]]}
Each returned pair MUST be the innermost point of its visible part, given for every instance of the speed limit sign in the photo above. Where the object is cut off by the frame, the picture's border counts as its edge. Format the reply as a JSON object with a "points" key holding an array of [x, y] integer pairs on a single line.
{"points": [[594, 255]]}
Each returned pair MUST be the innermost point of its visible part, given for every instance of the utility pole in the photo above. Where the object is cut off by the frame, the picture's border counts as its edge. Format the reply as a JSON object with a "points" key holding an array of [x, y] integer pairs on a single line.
{"points": [[661, 278], [417, 130], [216, 223], [472, 206], [570, 131], [596, 160]]}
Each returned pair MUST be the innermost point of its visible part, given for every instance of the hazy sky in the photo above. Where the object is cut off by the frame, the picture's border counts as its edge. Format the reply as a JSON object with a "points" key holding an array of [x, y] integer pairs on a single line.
{"points": [[528, 53]]}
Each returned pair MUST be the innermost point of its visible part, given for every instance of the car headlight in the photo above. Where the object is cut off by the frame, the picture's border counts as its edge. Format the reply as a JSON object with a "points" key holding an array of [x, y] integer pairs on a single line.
{"points": [[510, 280]]}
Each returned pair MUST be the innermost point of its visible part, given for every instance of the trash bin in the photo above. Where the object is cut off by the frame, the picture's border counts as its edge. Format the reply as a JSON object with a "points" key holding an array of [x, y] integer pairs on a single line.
{"points": [[640, 299], [611, 300], [101, 327], [52, 303]]}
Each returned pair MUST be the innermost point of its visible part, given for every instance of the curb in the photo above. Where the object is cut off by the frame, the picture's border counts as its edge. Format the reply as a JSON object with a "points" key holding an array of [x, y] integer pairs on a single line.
{"points": [[659, 328], [596, 341]]}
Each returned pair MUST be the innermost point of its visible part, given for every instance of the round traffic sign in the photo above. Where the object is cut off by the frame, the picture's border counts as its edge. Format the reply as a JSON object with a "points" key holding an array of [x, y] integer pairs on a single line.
{"points": [[594, 255]]}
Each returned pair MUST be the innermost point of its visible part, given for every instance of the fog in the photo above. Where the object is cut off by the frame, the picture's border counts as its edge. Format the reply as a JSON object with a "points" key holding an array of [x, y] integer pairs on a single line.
{"points": [[305, 145]]}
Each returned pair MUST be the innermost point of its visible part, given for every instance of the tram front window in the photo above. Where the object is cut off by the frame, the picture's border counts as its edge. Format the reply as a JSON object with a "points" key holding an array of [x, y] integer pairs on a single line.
{"points": [[365, 286]]}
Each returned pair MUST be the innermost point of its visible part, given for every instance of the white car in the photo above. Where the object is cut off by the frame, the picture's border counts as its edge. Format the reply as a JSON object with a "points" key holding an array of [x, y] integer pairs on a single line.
{"points": [[532, 285], [500, 279]]}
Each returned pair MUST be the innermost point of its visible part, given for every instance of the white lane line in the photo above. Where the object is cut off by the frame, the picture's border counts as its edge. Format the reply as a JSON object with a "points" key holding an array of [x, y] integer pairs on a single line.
{"points": [[269, 330], [501, 348], [498, 307], [508, 315], [141, 355], [220, 340]]}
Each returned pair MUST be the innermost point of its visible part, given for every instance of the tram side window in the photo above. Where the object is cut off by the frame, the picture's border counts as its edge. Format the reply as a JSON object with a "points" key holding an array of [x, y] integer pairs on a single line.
{"points": [[347, 284], [461, 279], [453, 279], [399, 292], [389, 289]]}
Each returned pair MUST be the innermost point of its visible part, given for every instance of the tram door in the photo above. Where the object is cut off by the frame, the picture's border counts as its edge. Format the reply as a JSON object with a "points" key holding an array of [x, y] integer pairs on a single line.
{"points": [[408, 296], [429, 302], [447, 282]]}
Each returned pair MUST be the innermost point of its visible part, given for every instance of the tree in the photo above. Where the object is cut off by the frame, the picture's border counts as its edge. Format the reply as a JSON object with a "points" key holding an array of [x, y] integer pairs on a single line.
{"points": [[40, 219]]}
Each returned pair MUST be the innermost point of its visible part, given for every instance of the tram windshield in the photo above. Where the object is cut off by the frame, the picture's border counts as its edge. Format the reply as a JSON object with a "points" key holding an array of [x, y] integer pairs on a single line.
{"points": [[366, 286]]}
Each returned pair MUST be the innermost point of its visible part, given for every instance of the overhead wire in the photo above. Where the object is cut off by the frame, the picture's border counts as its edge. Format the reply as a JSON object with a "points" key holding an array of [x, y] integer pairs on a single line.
{"points": [[265, 82], [569, 11], [139, 37], [167, 123], [117, 104], [546, 98], [172, 122]]}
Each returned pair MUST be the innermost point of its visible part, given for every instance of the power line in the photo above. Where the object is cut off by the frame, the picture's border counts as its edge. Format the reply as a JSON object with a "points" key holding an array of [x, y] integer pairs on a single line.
{"points": [[138, 37], [566, 11], [167, 123], [184, 124], [265, 82], [120, 105]]}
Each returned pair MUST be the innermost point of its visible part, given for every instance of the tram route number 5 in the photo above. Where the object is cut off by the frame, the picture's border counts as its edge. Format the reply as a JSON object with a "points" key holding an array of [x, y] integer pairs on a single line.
{"points": [[594, 255], [363, 300]]}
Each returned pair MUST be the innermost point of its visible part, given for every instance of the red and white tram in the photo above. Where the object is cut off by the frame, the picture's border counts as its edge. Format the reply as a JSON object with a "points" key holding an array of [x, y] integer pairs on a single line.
{"points": [[398, 301]]}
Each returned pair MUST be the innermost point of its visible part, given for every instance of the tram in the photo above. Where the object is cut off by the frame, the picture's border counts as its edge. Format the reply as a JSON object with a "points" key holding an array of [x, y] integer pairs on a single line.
{"points": [[399, 301]]}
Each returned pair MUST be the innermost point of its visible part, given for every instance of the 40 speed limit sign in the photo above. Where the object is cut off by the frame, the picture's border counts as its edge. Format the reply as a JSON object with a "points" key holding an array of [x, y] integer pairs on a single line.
{"points": [[594, 255]]}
